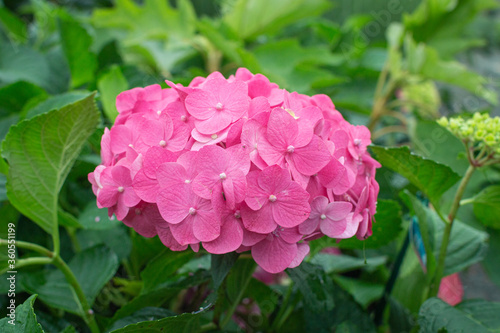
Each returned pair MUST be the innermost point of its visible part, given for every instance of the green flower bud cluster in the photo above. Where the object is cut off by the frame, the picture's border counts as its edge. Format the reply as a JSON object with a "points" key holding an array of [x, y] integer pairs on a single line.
{"points": [[480, 130]]}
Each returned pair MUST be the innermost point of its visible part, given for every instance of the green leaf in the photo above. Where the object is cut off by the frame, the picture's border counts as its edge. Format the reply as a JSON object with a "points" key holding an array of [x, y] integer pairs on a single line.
{"points": [[161, 295], [24, 320], [315, 286], [54, 103], [476, 316], [221, 265], [162, 268], [344, 263], [301, 68], [40, 152], [364, 293], [146, 314], [21, 63], [490, 263], [455, 73], [183, 323], [110, 85], [466, 247], [117, 239], [238, 278], [16, 95], [76, 43], [94, 218], [93, 268], [430, 177], [487, 206], [16, 28], [250, 18]]}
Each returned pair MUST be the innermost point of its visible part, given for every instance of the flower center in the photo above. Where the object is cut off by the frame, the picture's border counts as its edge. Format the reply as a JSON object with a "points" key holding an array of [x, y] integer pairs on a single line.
{"points": [[272, 198], [138, 211], [222, 176], [323, 216], [237, 214], [219, 106], [120, 189], [187, 181], [183, 118], [290, 149], [162, 143], [214, 136], [192, 211], [357, 142], [158, 112]]}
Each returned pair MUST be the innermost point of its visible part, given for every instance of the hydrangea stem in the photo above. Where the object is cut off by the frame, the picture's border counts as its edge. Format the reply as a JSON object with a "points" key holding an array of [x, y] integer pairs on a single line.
{"points": [[55, 259], [433, 291]]}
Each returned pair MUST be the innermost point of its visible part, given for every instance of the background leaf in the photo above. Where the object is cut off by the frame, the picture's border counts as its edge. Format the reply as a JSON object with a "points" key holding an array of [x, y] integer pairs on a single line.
{"points": [[110, 85], [40, 153], [487, 206], [25, 319], [93, 268], [430, 177], [476, 316]]}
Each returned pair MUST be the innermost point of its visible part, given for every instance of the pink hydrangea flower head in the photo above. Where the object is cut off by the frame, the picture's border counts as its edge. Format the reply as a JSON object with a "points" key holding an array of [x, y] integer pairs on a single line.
{"points": [[236, 164]]}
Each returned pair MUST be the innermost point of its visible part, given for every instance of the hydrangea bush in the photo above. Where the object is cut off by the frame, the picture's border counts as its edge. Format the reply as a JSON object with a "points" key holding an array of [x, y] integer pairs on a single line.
{"points": [[236, 164]]}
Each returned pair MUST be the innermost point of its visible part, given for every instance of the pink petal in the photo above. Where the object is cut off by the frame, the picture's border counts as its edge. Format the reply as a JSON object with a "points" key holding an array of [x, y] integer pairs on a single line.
{"points": [[256, 197], [251, 238], [291, 206], [206, 226], [201, 104], [183, 232], [269, 153], [204, 183], [171, 174], [302, 252], [155, 156], [217, 122], [239, 158], [234, 134], [130, 198], [107, 196], [282, 129], [230, 238], [352, 226], [309, 226], [273, 254], [312, 158], [338, 210], [174, 205], [120, 139], [274, 179], [260, 221], [290, 235], [333, 228], [168, 239], [145, 187]]}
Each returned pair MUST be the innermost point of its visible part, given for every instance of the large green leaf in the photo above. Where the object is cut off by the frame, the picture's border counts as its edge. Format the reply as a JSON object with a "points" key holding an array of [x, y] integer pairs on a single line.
{"points": [[487, 206], [430, 177], [476, 316], [146, 314], [53, 103], [24, 320], [364, 293], [40, 152], [160, 270], [466, 247], [76, 43], [490, 263], [220, 267], [250, 18], [110, 85], [184, 323], [93, 268], [239, 278]]}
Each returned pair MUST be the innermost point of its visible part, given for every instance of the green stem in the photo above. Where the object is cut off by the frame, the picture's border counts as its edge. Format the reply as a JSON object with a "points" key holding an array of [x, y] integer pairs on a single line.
{"points": [[447, 231], [208, 327], [280, 317], [87, 313], [236, 302], [30, 246], [52, 258]]}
